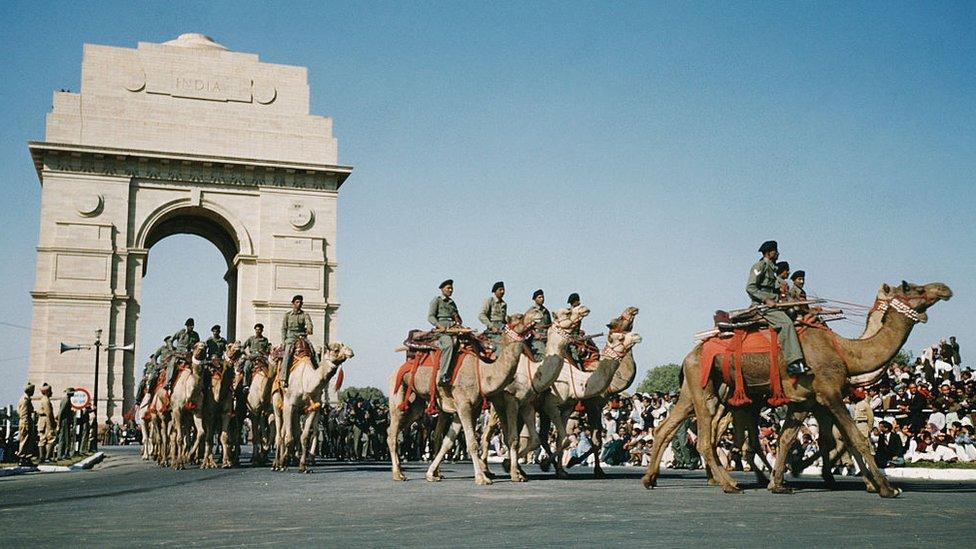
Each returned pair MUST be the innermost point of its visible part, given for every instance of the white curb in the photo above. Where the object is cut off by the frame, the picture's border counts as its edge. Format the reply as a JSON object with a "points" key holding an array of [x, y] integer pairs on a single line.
{"points": [[82, 465]]}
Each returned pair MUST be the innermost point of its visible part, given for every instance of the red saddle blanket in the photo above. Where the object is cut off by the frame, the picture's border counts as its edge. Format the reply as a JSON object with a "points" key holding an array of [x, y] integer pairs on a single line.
{"points": [[731, 350], [427, 359]]}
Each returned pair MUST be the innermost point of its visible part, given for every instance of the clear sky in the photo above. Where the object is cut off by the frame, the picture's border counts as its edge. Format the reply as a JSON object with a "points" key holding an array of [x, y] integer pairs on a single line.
{"points": [[637, 153]]}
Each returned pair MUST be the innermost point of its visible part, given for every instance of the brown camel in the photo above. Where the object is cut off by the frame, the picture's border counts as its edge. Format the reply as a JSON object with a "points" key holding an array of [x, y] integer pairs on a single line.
{"points": [[263, 371], [832, 359], [186, 405], [475, 380], [303, 395], [573, 386], [218, 406], [159, 413], [532, 378]]}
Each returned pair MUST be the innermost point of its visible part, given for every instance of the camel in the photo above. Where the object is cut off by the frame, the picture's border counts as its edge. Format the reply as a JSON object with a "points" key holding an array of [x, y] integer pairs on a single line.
{"points": [[186, 405], [258, 398], [574, 385], [474, 381], [158, 415], [833, 361], [532, 378], [218, 406], [745, 419], [148, 450], [304, 393]]}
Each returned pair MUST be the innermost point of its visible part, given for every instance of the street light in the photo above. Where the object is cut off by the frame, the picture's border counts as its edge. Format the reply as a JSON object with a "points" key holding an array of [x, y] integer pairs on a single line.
{"points": [[97, 344]]}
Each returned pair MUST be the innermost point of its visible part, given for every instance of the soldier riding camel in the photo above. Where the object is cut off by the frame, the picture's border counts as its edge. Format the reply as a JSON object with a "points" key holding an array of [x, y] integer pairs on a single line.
{"points": [[763, 288], [443, 314], [296, 325]]}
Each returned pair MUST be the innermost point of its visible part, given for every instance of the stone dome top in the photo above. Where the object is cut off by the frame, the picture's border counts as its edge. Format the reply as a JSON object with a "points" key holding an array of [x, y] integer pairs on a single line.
{"points": [[195, 40]]}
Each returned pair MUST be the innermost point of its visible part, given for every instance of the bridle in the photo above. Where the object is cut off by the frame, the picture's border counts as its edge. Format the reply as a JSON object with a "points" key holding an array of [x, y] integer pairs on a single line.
{"points": [[899, 305]]}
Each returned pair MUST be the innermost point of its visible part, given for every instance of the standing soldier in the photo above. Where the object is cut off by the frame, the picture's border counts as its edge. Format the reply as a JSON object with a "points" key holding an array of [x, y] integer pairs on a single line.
{"points": [[540, 329], [25, 431], [216, 344], [494, 311], [443, 314], [45, 425], [182, 342], [66, 425], [762, 289], [296, 324], [254, 346]]}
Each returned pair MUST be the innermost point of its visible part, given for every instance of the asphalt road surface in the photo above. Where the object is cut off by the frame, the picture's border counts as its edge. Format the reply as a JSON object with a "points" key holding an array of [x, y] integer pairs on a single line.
{"points": [[127, 502]]}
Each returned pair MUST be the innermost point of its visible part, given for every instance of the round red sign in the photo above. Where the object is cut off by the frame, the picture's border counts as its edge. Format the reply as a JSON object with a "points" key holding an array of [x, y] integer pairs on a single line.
{"points": [[80, 398]]}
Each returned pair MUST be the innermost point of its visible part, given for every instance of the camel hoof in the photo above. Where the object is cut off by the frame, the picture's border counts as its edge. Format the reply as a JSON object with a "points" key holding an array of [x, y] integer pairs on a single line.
{"points": [[483, 481], [732, 489], [649, 481], [519, 478], [890, 493], [780, 489], [398, 477], [712, 482], [871, 488], [432, 478], [226, 466]]}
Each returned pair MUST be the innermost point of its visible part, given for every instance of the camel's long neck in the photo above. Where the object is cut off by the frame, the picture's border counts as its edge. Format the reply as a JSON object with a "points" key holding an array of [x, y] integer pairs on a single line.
{"points": [[498, 374], [864, 356], [874, 324], [552, 363], [600, 379], [625, 374]]}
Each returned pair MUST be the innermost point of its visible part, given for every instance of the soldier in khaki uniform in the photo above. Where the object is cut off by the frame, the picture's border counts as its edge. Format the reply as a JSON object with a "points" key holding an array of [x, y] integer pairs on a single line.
{"points": [[255, 346], [66, 425], [494, 311], [296, 324], [216, 344], [763, 290], [540, 329], [182, 341], [25, 426], [45, 425], [442, 314]]}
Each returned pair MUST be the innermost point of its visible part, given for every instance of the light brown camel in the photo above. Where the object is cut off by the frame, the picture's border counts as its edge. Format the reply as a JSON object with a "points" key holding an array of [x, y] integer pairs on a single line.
{"points": [[532, 378], [218, 406], [263, 371], [159, 413], [475, 380], [745, 419], [303, 395], [148, 452], [186, 406], [573, 385], [833, 360]]}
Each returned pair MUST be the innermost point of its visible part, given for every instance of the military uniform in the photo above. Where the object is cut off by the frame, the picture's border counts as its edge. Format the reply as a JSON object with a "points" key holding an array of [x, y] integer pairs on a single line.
{"points": [[762, 285], [294, 326], [254, 346], [25, 427], [540, 329], [182, 341], [66, 424], [493, 313], [443, 313], [216, 346], [45, 428], [162, 352]]}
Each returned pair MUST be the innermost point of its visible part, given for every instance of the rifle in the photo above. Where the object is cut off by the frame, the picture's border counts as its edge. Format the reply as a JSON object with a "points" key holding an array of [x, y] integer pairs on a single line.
{"points": [[759, 309]]}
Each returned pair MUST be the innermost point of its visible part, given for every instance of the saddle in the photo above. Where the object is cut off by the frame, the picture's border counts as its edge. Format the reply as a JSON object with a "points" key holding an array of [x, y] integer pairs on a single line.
{"points": [[419, 341], [589, 355]]}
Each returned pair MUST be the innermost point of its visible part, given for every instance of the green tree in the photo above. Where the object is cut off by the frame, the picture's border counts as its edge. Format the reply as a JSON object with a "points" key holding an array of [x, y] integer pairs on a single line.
{"points": [[903, 358], [366, 393], [662, 379]]}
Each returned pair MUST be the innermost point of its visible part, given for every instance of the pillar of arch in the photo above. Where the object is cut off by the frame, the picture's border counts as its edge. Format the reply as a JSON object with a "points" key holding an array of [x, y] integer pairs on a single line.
{"points": [[184, 137]]}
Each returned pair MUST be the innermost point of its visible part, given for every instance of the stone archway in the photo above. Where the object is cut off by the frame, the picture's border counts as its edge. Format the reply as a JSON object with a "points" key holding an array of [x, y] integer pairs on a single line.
{"points": [[180, 137]]}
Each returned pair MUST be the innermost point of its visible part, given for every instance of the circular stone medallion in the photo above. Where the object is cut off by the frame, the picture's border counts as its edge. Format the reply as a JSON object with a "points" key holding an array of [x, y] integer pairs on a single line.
{"points": [[89, 205], [300, 216]]}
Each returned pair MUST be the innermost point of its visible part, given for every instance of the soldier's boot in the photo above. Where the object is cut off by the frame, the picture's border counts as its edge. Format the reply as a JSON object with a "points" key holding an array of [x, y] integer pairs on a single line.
{"points": [[797, 368], [444, 371]]}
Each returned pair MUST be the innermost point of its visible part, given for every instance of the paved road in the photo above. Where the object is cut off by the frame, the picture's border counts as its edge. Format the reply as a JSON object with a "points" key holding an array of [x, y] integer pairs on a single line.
{"points": [[126, 502]]}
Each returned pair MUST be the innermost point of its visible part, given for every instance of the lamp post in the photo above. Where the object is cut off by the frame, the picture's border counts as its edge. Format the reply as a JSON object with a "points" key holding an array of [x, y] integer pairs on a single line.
{"points": [[97, 345]]}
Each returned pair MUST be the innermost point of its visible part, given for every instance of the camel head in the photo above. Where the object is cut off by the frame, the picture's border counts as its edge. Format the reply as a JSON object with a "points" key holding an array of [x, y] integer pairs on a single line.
{"points": [[619, 343], [918, 298], [199, 350], [570, 318], [522, 323], [337, 353], [624, 322], [233, 351]]}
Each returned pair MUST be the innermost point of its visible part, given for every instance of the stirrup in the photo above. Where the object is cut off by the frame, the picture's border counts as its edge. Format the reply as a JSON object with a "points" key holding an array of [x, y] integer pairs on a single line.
{"points": [[797, 368]]}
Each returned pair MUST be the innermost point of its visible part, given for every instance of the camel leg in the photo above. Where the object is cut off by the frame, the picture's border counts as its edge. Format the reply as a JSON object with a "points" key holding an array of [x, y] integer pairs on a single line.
{"points": [[225, 426], [860, 448], [307, 435], [176, 442], [486, 433], [706, 445], [447, 442], [749, 447], [510, 432], [594, 416], [393, 438], [203, 432], [664, 433], [551, 409], [791, 427], [437, 437], [530, 440], [467, 414]]}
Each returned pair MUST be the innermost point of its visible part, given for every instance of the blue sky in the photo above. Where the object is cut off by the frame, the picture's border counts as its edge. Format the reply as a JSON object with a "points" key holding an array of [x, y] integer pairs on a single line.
{"points": [[637, 153]]}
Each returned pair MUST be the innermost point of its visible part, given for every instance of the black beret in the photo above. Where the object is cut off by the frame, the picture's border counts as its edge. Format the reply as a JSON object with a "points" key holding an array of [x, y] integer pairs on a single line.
{"points": [[537, 293], [259, 325], [573, 297], [297, 297], [189, 322], [448, 282], [767, 246], [782, 266], [798, 274], [215, 327]]}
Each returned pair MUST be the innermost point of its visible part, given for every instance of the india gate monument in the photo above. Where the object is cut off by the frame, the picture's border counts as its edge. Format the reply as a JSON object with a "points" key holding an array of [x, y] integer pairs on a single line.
{"points": [[180, 137]]}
